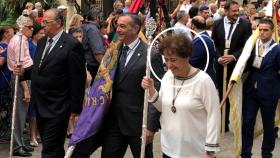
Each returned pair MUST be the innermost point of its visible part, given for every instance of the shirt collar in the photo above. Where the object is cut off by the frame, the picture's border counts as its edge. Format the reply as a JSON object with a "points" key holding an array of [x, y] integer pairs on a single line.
{"points": [[133, 44], [200, 33], [266, 44], [57, 36], [228, 21]]}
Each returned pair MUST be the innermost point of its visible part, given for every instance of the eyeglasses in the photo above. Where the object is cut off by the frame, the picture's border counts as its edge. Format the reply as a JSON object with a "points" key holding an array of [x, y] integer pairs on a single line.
{"points": [[45, 22]]}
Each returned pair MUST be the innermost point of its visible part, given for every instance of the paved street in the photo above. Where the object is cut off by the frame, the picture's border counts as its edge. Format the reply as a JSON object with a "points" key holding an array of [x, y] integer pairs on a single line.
{"points": [[226, 149]]}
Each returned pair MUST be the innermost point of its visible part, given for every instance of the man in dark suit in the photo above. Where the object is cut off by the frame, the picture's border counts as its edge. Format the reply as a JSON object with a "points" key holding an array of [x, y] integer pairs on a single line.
{"points": [[123, 124], [229, 34], [58, 83], [198, 57], [261, 91]]}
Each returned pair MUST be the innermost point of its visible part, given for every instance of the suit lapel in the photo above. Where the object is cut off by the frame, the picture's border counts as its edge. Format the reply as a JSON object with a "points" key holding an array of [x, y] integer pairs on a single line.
{"points": [[59, 44], [266, 57], [40, 50], [223, 31], [138, 53], [237, 29]]}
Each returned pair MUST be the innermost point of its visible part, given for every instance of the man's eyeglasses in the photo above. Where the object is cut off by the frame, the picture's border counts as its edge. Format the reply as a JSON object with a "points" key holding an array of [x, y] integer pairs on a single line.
{"points": [[45, 22]]}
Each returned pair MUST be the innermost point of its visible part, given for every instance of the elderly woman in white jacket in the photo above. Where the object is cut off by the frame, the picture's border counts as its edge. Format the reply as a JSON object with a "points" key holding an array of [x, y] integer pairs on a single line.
{"points": [[188, 100]]}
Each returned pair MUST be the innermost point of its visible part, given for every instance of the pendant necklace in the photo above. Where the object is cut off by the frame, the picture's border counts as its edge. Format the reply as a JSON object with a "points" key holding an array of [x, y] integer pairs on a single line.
{"points": [[173, 108]]}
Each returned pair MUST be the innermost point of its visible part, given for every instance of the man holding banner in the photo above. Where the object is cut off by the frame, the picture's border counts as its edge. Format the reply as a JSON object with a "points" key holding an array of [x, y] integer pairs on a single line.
{"points": [[122, 126], [261, 90], [230, 35]]}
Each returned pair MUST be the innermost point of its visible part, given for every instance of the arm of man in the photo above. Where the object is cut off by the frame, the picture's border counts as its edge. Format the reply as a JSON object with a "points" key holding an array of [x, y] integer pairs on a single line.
{"points": [[76, 68], [2, 61], [26, 73], [174, 13], [99, 57], [246, 34], [26, 92], [278, 59], [198, 54], [96, 44], [153, 124], [214, 36]]}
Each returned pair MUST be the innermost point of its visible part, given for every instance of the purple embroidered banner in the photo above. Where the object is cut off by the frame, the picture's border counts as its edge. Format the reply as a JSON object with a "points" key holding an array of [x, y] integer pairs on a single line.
{"points": [[98, 98]]}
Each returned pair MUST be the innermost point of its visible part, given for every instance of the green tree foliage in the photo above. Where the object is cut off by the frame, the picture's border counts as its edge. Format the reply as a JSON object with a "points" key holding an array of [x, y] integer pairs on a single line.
{"points": [[11, 9]]}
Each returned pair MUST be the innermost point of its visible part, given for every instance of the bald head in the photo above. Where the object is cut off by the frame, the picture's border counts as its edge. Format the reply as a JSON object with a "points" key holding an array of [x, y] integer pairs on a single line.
{"points": [[199, 18], [199, 23], [213, 7]]}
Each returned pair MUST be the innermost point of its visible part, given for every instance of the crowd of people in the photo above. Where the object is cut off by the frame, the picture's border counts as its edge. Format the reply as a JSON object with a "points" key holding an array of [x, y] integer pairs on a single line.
{"points": [[57, 66]]}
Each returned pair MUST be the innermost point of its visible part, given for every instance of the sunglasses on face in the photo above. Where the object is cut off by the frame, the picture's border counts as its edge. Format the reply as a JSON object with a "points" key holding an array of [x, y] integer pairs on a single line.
{"points": [[29, 27]]}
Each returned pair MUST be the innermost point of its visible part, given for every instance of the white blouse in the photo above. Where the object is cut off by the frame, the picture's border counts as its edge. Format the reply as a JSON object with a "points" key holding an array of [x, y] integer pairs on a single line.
{"points": [[195, 126]]}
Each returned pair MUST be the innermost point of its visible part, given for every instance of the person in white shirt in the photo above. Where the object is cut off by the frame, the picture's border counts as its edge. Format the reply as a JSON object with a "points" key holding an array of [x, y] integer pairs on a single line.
{"points": [[185, 6], [183, 18], [188, 100]]}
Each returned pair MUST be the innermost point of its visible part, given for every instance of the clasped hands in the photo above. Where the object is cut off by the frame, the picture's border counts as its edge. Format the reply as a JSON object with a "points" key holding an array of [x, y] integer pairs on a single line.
{"points": [[226, 59]]}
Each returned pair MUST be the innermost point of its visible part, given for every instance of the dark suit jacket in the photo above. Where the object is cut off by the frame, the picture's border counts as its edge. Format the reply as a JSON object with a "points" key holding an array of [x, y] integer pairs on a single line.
{"points": [[126, 107], [267, 77], [241, 34], [58, 87], [198, 57]]}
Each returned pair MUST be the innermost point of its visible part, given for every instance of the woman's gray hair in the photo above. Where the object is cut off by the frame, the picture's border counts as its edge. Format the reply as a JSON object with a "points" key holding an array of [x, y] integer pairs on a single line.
{"points": [[23, 20]]}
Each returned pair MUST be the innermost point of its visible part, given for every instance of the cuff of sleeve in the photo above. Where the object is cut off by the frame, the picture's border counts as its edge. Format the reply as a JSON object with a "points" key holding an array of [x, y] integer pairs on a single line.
{"points": [[154, 98], [212, 147]]}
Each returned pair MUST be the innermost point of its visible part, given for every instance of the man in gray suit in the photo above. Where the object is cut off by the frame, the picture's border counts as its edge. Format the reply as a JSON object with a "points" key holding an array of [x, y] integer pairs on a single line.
{"points": [[123, 124]]}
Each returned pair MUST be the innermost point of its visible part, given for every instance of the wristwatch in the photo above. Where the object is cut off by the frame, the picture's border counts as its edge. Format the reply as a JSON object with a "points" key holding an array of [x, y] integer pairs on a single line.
{"points": [[210, 153]]}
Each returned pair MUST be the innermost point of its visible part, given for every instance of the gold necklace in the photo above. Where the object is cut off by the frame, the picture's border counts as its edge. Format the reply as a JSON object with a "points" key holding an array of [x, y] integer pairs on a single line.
{"points": [[173, 108]]}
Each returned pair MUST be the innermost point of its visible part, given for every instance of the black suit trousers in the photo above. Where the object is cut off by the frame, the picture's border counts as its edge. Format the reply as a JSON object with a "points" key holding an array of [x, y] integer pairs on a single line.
{"points": [[53, 134], [115, 144], [88, 146], [251, 105]]}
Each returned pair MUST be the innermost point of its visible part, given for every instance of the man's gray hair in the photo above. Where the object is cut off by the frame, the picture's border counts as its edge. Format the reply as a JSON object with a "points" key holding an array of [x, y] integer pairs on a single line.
{"points": [[58, 15], [180, 14]]}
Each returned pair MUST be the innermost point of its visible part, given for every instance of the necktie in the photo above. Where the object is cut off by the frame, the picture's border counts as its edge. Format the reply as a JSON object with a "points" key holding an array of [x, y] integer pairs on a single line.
{"points": [[230, 29], [123, 57], [261, 49], [45, 54]]}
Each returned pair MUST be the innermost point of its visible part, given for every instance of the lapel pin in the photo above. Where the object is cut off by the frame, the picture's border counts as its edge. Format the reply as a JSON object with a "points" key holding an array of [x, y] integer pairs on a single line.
{"points": [[60, 46], [138, 54]]}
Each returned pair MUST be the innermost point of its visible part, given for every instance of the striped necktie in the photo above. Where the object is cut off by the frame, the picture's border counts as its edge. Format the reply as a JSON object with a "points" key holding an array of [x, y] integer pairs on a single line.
{"points": [[46, 53]]}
